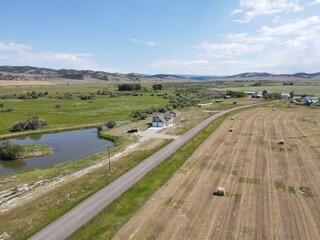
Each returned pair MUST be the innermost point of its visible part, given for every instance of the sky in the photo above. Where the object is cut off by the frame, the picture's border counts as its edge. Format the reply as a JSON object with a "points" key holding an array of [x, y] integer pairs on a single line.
{"points": [[203, 37]]}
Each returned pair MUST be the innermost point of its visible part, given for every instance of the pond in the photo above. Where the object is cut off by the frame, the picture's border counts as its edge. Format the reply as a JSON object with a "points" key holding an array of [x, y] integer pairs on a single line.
{"points": [[67, 146]]}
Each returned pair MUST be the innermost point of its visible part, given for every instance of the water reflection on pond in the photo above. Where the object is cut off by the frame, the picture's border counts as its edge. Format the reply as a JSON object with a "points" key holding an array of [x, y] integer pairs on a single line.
{"points": [[67, 146]]}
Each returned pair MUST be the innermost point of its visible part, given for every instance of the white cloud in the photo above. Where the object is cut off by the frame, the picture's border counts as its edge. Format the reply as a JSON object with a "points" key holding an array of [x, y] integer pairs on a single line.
{"points": [[246, 38], [178, 65], [12, 47], [20, 54], [250, 9], [203, 66], [290, 28], [287, 48], [314, 2], [150, 43], [229, 49]]}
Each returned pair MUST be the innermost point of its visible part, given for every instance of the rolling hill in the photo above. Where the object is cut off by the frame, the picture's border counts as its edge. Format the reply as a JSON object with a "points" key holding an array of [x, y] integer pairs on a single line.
{"points": [[48, 74]]}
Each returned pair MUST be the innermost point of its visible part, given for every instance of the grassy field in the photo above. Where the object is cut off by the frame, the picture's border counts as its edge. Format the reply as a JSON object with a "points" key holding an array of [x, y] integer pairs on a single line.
{"points": [[23, 221], [112, 218], [272, 190], [75, 111], [54, 89]]}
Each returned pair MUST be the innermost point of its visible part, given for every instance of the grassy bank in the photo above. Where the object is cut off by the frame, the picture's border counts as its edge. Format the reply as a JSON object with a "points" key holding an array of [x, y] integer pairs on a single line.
{"points": [[117, 140], [110, 220], [25, 220], [29, 151], [45, 131]]}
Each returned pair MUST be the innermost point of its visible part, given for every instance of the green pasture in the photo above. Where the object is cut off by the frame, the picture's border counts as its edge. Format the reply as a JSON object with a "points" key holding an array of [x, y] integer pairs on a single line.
{"points": [[75, 111]]}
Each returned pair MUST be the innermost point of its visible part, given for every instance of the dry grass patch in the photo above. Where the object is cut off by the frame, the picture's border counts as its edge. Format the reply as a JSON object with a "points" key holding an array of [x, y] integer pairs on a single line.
{"points": [[249, 180]]}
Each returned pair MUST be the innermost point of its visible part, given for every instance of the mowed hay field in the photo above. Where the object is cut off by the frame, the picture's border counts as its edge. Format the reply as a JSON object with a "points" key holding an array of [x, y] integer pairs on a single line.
{"points": [[272, 190]]}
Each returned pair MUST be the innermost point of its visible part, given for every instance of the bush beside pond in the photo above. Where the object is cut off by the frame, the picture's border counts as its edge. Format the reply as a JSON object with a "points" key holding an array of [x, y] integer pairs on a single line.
{"points": [[30, 124], [9, 151]]}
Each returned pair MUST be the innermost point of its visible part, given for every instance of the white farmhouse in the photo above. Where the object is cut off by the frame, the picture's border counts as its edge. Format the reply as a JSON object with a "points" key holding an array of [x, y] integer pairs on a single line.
{"points": [[162, 119]]}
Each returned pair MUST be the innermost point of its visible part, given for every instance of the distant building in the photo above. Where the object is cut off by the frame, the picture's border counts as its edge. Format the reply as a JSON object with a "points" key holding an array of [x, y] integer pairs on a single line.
{"points": [[257, 95], [162, 119], [308, 101], [249, 94], [285, 95]]}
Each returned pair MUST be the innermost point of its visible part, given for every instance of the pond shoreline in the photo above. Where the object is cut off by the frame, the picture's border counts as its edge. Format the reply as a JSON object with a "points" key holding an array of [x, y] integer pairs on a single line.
{"points": [[67, 146], [48, 131]]}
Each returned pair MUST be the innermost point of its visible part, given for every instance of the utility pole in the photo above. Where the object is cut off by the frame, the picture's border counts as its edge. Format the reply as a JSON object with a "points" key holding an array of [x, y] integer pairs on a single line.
{"points": [[109, 160]]}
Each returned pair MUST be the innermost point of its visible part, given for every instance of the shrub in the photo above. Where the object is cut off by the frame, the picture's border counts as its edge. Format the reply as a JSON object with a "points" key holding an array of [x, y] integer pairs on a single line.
{"points": [[9, 151], [111, 124], [58, 106], [235, 94], [32, 123], [129, 87], [162, 109], [139, 115], [99, 128], [1, 104], [157, 86], [17, 126], [6, 110], [257, 84], [86, 97], [272, 96]]}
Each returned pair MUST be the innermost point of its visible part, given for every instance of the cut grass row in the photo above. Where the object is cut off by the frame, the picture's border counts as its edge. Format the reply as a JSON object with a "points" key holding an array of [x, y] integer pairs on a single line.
{"points": [[23, 221], [113, 217]]}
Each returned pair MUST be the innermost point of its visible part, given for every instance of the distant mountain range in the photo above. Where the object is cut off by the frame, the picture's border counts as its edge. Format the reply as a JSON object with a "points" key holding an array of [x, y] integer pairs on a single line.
{"points": [[35, 73], [269, 75]]}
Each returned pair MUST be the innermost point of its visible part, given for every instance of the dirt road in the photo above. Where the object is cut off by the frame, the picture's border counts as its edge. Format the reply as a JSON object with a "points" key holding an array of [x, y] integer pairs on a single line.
{"points": [[273, 191]]}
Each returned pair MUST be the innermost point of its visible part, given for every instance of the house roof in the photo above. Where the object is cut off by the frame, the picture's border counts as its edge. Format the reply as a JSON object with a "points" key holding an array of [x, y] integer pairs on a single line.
{"points": [[163, 117]]}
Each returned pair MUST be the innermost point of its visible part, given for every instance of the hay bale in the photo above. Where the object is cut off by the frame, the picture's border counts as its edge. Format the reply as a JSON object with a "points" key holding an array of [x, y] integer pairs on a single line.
{"points": [[220, 191]]}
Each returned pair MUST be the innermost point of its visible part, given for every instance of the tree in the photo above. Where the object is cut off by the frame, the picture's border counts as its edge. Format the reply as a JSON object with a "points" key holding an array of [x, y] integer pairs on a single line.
{"points": [[99, 128], [291, 94], [9, 151], [111, 124], [129, 87], [157, 86], [235, 94], [264, 92]]}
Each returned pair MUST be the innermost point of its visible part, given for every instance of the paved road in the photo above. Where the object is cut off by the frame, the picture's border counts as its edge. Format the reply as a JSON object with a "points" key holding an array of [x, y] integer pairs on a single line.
{"points": [[64, 226]]}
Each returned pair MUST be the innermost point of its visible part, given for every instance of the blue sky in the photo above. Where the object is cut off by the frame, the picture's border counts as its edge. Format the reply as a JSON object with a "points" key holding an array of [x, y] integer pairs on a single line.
{"points": [[215, 37]]}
